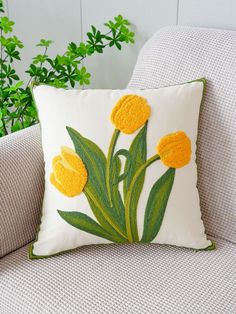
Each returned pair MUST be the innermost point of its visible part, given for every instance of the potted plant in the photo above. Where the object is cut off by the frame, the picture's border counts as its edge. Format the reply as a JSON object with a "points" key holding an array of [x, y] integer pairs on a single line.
{"points": [[17, 110]]}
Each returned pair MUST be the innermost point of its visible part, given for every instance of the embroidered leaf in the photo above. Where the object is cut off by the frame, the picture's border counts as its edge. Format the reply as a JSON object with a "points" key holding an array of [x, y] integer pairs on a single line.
{"points": [[103, 222], [95, 162], [120, 177], [156, 205], [110, 153], [115, 193], [137, 157], [83, 222]]}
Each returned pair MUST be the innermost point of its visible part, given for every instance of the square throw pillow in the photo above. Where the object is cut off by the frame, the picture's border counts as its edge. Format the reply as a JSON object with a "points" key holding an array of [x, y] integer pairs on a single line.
{"points": [[119, 167]]}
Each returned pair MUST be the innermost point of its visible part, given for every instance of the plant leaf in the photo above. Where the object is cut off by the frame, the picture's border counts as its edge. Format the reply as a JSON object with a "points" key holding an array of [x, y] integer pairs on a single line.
{"points": [[95, 162], [122, 152], [156, 205], [103, 222], [137, 157], [83, 222], [115, 193]]}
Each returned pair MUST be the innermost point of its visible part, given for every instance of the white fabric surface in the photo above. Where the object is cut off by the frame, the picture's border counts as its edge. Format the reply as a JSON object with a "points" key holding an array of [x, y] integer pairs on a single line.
{"points": [[121, 279]]}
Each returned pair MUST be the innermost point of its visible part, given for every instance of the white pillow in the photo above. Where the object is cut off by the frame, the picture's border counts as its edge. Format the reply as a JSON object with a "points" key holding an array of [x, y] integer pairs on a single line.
{"points": [[133, 176]]}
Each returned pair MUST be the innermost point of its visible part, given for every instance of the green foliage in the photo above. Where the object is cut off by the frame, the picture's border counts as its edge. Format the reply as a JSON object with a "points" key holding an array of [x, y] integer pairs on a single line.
{"points": [[156, 205], [95, 188], [116, 216], [17, 110]]}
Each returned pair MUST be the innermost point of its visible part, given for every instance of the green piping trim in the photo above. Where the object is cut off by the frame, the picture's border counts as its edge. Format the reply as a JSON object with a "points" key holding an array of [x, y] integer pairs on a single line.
{"points": [[209, 248]]}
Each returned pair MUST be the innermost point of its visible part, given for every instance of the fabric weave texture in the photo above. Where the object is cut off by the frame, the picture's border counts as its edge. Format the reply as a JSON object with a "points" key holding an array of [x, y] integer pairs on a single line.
{"points": [[134, 279], [180, 54], [121, 279], [21, 188]]}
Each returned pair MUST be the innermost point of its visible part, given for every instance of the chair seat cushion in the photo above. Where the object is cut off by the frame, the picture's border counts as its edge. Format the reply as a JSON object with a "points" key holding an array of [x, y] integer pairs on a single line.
{"points": [[121, 279]]}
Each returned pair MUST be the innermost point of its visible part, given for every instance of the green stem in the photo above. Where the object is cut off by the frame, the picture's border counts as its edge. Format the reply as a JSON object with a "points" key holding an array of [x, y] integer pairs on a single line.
{"points": [[109, 220], [110, 154], [131, 217]]}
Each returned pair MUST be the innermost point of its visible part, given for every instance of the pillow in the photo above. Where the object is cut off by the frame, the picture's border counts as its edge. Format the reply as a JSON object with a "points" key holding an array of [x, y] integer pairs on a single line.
{"points": [[119, 167]]}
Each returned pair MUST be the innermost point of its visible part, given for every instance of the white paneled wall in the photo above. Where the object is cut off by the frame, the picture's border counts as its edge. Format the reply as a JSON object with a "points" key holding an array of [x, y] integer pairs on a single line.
{"points": [[69, 20], [208, 13], [113, 69], [59, 20]]}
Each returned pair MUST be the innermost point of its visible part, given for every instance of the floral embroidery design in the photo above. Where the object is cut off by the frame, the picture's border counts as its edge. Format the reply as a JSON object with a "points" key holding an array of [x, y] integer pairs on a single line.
{"points": [[88, 170], [69, 173]]}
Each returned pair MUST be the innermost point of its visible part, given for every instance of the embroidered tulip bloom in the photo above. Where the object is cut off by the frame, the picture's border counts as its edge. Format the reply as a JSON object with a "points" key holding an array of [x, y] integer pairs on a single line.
{"points": [[69, 174], [175, 150], [130, 113]]}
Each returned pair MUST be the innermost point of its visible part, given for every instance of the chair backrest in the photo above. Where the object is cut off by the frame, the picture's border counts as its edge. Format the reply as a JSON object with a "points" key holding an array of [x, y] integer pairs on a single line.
{"points": [[21, 188], [178, 54]]}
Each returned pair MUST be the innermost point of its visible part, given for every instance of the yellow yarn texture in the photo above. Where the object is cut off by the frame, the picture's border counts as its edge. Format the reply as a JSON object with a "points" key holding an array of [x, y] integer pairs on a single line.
{"points": [[69, 174], [130, 113], [175, 149]]}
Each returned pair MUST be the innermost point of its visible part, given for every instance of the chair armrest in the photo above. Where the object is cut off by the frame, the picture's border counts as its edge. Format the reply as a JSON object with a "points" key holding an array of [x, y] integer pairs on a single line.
{"points": [[21, 188]]}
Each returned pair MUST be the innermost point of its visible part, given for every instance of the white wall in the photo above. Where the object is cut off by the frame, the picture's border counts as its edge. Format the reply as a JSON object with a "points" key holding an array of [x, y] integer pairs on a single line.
{"points": [[69, 20]]}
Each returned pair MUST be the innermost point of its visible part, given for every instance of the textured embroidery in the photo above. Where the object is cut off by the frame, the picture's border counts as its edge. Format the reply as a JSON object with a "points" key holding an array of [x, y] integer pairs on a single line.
{"points": [[130, 113], [99, 177], [175, 150], [69, 173]]}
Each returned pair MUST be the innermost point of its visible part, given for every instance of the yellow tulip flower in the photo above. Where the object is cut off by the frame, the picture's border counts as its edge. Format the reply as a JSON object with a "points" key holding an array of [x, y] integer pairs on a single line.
{"points": [[175, 150], [130, 113], [69, 174]]}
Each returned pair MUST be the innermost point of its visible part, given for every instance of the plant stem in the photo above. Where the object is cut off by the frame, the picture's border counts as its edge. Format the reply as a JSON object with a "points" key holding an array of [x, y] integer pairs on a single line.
{"points": [[81, 59], [108, 219], [131, 217], [110, 154]]}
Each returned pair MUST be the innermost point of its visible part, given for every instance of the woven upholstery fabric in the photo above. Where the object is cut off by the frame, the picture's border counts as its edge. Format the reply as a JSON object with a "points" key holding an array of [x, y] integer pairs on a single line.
{"points": [[180, 54], [121, 279], [21, 188]]}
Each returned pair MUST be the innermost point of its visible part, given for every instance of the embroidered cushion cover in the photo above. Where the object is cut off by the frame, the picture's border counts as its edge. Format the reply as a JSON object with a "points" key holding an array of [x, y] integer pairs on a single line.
{"points": [[119, 167]]}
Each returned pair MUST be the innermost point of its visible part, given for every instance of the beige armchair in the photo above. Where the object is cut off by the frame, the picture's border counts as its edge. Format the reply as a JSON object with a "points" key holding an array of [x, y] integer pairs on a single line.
{"points": [[134, 278]]}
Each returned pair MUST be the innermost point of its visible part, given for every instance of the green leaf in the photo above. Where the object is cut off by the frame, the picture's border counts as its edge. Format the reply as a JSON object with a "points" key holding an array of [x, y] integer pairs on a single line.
{"points": [[44, 43], [1, 6], [103, 222], [58, 83], [156, 205], [17, 42], [14, 88], [16, 126], [118, 45], [120, 21], [40, 58], [116, 198], [83, 76], [137, 157], [116, 160], [94, 29], [83, 222], [95, 162], [6, 24]]}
